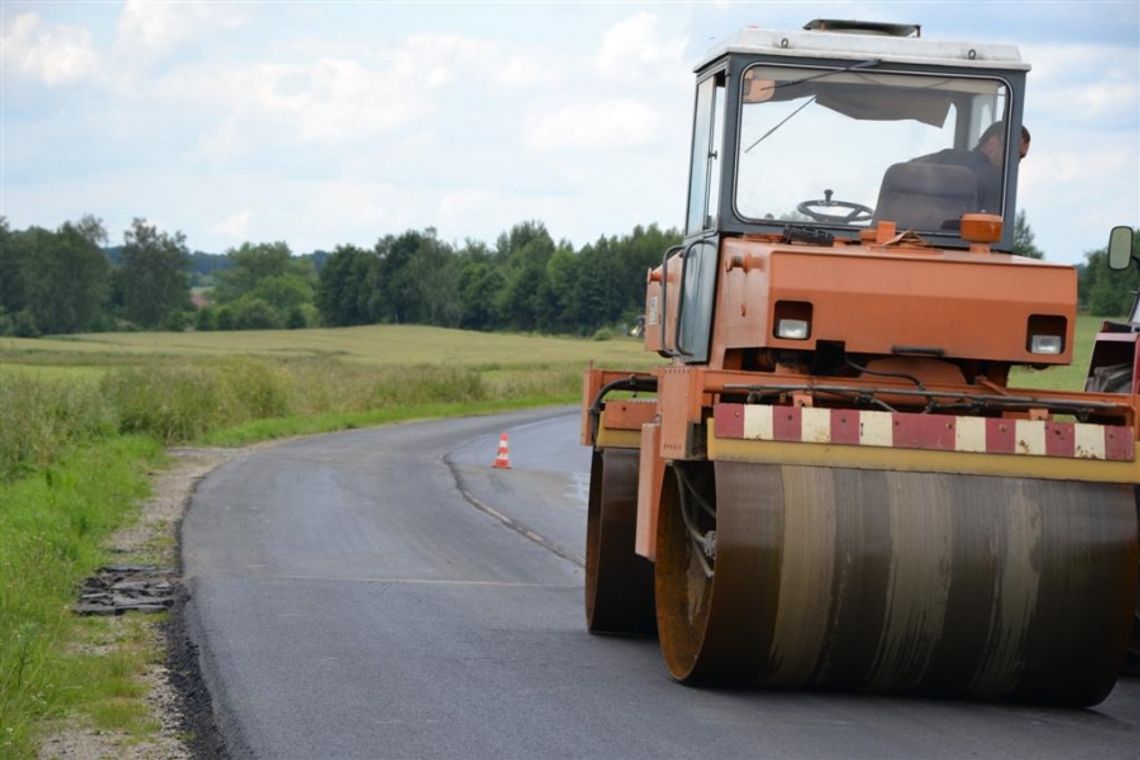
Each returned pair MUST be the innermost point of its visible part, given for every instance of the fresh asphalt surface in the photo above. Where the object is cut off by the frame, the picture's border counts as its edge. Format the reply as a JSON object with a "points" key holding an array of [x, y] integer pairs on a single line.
{"points": [[386, 594]]}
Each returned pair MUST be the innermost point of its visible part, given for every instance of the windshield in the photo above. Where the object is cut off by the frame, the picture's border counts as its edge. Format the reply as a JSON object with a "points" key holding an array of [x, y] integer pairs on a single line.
{"points": [[851, 147]]}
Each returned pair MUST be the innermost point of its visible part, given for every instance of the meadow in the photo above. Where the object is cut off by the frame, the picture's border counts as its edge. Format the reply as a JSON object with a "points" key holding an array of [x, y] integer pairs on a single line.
{"points": [[84, 420]]}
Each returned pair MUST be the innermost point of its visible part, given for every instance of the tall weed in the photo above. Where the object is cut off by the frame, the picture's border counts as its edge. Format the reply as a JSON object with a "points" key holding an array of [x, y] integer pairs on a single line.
{"points": [[41, 416], [424, 384], [171, 403]]}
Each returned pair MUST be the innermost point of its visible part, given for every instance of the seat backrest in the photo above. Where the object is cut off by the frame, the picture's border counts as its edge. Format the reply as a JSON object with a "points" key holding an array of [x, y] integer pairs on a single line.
{"points": [[924, 196]]}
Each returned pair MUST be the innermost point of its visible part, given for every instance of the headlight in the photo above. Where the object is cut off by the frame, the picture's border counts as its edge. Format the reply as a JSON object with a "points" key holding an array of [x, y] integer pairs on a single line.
{"points": [[792, 320], [792, 329], [1045, 334], [1045, 344]]}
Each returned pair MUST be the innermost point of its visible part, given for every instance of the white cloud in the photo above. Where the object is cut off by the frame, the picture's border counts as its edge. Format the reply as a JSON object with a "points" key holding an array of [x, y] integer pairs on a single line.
{"points": [[158, 29], [1094, 85], [527, 71], [327, 100], [318, 96], [634, 48], [616, 123], [235, 226], [56, 55]]}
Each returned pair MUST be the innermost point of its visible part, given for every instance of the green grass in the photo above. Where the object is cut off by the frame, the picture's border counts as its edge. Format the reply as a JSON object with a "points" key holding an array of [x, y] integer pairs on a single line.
{"points": [[51, 529]]}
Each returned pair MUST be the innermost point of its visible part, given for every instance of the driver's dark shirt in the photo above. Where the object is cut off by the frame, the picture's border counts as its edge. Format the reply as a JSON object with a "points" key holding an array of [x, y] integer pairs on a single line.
{"points": [[989, 176]]}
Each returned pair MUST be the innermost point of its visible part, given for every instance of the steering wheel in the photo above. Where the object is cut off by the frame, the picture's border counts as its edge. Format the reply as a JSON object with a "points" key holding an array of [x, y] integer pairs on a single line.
{"points": [[857, 212]]}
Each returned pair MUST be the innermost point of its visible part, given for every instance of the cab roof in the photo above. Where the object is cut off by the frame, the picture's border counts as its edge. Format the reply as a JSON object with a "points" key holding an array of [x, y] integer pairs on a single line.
{"points": [[854, 40]]}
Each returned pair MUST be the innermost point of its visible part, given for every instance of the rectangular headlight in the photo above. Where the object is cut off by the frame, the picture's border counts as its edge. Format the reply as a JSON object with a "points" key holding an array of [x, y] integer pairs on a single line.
{"points": [[1045, 344], [792, 329]]}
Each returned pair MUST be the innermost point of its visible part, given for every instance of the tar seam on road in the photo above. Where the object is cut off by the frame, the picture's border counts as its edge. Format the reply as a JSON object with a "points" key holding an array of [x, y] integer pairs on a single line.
{"points": [[517, 527]]}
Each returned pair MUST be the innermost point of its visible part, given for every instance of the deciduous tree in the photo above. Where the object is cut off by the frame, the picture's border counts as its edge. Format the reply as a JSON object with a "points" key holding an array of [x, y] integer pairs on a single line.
{"points": [[65, 275], [1023, 238], [152, 278]]}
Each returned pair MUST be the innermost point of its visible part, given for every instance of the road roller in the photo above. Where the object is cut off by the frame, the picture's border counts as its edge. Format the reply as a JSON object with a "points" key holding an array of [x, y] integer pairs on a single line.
{"points": [[829, 481]]}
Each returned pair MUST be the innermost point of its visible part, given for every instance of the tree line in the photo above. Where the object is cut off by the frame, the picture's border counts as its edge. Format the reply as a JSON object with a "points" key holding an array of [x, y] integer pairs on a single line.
{"points": [[69, 280], [525, 281]]}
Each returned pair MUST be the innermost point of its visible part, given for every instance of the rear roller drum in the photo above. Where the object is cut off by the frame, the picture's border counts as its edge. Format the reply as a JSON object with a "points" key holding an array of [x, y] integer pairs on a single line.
{"points": [[948, 585], [619, 583]]}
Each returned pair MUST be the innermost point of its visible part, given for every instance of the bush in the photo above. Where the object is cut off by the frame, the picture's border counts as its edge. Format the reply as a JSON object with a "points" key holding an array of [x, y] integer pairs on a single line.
{"points": [[206, 320], [19, 325], [604, 333], [256, 314], [296, 319], [224, 318], [176, 321]]}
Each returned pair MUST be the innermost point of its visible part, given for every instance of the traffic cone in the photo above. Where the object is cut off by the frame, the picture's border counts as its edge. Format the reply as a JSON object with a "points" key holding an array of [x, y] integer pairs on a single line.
{"points": [[503, 460]]}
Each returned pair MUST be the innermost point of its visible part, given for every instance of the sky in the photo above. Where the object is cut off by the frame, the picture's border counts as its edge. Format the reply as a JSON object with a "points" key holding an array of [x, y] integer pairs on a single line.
{"points": [[328, 123]]}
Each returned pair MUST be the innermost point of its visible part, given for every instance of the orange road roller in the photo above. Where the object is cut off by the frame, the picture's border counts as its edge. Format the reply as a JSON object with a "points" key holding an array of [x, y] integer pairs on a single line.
{"points": [[830, 483]]}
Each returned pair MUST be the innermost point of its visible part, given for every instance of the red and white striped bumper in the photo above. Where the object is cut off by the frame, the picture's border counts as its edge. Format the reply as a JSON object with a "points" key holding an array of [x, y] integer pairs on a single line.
{"points": [[936, 432]]}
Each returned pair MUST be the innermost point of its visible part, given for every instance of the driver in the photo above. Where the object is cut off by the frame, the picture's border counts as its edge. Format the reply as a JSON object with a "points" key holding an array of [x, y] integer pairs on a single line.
{"points": [[985, 160]]}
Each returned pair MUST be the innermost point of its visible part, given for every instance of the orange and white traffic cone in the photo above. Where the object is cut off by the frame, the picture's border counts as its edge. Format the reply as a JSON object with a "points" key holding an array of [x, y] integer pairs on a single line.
{"points": [[503, 460]]}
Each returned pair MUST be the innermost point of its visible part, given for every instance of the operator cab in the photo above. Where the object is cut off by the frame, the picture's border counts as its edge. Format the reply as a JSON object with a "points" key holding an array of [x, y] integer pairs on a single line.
{"points": [[844, 124]]}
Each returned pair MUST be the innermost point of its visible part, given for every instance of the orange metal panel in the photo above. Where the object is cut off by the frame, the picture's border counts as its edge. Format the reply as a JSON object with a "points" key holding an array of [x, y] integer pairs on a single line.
{"points": [[878, 298], [970, 306], [630, 414], [680, 395]]}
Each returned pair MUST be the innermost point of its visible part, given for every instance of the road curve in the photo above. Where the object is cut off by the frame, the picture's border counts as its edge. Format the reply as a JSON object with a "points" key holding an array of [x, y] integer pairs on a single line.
{"points": [[385, 594]]}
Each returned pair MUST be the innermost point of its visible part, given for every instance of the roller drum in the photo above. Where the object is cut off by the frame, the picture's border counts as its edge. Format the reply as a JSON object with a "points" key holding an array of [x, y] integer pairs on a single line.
{"points": [[619, 583], [950, 585]]}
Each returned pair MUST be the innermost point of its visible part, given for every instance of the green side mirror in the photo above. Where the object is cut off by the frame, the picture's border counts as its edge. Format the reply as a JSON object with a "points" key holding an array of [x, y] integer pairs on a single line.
{"points": [[1120, 248]]}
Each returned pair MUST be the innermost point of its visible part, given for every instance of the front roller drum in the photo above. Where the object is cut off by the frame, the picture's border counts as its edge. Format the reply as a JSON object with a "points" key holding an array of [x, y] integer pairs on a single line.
{"points": [[897, 582], [619, 583]]}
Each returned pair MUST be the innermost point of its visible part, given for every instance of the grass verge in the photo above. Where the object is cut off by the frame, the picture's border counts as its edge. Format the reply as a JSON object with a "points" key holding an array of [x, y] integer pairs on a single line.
{"points": [[52, 526]]}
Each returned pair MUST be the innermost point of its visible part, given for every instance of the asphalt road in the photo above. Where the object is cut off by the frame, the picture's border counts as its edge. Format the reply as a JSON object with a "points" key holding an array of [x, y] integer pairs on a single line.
{"points": [[386, 594]]}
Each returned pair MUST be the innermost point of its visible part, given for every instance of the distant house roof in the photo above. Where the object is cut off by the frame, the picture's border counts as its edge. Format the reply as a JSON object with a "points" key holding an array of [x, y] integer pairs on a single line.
{"points": [[199, 301]]}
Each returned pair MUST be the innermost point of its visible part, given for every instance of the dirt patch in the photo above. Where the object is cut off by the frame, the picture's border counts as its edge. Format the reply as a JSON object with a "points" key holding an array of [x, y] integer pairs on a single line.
{"points": [[176, 697]]}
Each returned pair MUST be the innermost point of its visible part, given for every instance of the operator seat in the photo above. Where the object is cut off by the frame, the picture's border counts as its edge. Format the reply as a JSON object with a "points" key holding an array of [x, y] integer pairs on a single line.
{"points": [[926, 196]]}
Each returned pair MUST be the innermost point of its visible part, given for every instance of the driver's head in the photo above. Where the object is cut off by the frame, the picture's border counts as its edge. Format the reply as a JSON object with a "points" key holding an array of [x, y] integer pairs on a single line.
{"points": [[992, 143]]}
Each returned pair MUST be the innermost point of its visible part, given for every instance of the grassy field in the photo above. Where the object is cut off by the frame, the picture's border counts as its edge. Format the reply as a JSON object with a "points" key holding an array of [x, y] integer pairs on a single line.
{"points": [[370, 345], [83, 419]]}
